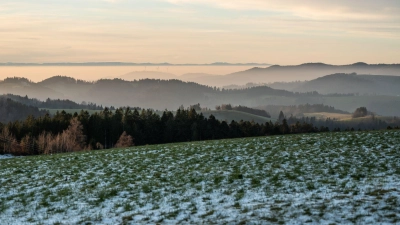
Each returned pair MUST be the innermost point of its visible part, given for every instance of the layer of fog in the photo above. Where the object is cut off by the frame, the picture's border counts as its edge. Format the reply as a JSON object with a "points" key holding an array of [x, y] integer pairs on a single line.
{"points": [[93, 73]]}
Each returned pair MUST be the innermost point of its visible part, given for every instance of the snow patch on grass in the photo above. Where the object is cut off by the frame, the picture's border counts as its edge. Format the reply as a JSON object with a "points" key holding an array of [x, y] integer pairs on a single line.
{"points": [[6, 156], [317, 178]]}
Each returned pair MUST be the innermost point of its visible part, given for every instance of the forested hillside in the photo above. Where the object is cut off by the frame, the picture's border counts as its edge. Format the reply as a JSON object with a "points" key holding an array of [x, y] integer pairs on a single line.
{"points": [[156, 94], [52, 103], [13, 111], [171, 94]]}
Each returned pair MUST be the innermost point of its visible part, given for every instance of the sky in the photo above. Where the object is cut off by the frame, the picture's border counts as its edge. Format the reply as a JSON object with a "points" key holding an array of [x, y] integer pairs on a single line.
{"points": [[284, 32]]}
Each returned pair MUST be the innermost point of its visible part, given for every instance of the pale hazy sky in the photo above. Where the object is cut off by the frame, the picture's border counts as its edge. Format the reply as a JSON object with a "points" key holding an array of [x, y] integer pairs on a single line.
{"points": [[200, 31]]}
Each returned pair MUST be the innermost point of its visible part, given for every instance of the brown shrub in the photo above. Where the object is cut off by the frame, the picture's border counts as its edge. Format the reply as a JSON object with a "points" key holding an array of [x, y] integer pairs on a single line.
{"points": [[124, 141]]}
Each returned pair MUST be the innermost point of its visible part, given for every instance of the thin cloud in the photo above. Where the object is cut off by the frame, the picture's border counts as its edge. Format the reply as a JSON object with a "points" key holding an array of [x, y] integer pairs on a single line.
{"points": [[315, 9], [284, 32]]}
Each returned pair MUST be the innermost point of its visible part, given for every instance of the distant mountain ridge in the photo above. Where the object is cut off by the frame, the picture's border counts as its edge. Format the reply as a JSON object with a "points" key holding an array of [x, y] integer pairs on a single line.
{"points": [[346, 83], [131, 64], [306, 71]]}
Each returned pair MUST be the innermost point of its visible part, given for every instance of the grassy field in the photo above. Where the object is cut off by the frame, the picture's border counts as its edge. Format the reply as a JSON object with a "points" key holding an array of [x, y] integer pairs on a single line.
{"points": [[329, 178]]}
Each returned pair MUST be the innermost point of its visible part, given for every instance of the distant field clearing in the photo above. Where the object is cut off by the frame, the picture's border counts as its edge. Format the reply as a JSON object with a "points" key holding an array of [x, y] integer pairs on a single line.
{"points": [[325, 115]]}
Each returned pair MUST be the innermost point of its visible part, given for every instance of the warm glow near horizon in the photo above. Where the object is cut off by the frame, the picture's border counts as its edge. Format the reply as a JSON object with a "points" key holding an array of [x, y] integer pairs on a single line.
{"points": [[200, 31], [93, 73]]}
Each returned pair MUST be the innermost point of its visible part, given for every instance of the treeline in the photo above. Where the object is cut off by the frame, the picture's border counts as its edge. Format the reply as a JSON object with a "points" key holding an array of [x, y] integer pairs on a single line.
{"points": [[298, 110], [258, 112], [12, 111], [257, 91], [17, 79], [53, 103], [66, 132]]}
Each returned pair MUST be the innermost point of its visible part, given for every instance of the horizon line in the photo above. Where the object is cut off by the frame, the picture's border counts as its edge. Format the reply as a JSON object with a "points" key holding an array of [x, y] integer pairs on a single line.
{"points": [[131, 64]]}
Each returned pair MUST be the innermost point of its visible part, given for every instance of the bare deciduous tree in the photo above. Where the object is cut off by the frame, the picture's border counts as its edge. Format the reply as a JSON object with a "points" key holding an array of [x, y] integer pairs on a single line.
{"points": [[26, 145], [44, 143], [70, 140], [124, 141], [73, 138], [9, 141]]}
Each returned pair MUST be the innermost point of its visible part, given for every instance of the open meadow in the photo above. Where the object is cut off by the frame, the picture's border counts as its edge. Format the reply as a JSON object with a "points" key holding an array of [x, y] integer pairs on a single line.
{"points": [[324, 178]]}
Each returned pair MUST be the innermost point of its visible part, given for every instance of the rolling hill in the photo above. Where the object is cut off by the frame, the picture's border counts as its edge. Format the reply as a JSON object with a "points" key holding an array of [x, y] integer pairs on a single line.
{"points": [[171, 94], [157, 94], [22, 87]]}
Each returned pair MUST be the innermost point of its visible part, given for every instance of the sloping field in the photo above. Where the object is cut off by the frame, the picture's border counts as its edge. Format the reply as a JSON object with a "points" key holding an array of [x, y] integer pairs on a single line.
{"points": [[330, 178]]}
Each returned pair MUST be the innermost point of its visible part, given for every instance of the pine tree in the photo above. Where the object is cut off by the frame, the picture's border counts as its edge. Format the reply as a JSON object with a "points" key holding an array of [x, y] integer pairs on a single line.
{"points": [[281, 116], [285, 127]]}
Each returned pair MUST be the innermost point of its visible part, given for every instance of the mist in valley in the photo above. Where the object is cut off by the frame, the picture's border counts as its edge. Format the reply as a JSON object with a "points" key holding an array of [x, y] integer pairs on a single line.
{"points": [[311, 83], [93, 73]]}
